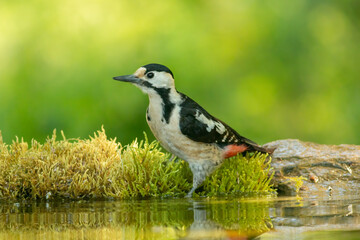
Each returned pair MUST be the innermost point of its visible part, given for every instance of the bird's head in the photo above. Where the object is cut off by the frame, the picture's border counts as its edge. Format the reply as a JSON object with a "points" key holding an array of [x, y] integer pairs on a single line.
{"points": [[150, 77]]}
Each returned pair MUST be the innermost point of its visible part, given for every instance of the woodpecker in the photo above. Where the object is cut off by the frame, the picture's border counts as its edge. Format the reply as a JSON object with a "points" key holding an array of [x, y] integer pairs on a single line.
{"points": [[183, 127]]}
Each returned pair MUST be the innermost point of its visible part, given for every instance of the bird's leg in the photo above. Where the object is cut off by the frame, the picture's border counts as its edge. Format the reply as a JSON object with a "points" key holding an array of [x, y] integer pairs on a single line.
{"points": [[198, 178], [200, 171]]}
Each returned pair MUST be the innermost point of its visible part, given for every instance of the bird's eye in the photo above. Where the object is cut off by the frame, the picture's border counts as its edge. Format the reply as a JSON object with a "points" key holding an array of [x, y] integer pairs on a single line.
{"points": [[150, 75]]}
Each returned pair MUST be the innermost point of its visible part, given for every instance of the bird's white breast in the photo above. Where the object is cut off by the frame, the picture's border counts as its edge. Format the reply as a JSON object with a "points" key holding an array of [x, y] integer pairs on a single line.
{"points": [[171, 138]]}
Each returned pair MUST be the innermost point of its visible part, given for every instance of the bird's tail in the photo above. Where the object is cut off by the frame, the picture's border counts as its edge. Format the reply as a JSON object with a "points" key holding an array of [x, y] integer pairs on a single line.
{"points": [[255, 147]]}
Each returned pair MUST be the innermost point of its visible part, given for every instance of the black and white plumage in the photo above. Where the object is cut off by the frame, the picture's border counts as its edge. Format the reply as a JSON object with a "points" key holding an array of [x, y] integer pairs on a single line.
{"points": [[183, 127]]}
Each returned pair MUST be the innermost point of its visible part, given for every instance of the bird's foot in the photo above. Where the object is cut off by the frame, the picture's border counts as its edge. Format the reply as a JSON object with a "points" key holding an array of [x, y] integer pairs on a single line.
{"points": [[190, 193]]}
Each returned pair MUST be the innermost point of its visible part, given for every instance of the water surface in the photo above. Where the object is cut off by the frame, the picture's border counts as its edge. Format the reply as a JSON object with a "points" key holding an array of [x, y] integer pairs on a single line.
{"points": [[328, 217]]}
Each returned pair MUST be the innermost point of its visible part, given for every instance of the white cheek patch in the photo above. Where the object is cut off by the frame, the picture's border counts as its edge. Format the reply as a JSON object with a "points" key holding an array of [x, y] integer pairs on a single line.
{"points": [[210, 124], [162, 80]]}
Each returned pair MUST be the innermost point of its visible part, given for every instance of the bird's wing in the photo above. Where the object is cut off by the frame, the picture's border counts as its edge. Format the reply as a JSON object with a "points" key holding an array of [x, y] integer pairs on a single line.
{"points": [[198, 125]]}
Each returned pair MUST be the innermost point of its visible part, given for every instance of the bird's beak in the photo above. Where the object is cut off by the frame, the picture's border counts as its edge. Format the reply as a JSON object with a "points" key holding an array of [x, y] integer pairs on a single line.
{"points": [[128, 78]]}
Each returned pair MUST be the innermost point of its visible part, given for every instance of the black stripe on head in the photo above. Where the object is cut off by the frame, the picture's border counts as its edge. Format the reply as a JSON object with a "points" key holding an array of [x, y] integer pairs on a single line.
{"points": [[157, 67]]}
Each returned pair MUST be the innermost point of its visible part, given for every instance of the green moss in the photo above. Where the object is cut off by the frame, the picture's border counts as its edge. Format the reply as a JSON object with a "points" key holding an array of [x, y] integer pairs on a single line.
{"points": [[241, 174], [296, 181], [99, 167]]}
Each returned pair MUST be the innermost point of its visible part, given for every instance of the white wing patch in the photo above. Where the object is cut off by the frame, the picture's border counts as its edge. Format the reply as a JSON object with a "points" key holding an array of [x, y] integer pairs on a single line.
{"points": [[226, 135], [210, 124]]}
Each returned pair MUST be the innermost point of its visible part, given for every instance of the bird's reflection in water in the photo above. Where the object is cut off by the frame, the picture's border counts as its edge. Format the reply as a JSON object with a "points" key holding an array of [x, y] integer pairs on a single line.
{"points": [[143, 219]]}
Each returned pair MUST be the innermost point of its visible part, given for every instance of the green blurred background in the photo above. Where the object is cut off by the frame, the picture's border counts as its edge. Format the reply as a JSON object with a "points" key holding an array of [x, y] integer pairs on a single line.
{"points": [[270, 69]]}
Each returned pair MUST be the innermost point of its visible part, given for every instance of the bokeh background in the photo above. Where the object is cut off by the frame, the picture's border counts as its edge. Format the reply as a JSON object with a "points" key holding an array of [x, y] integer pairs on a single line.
{"points": [[270, 69]]}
